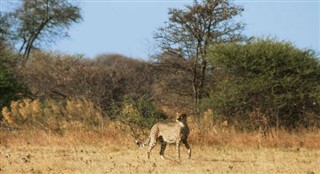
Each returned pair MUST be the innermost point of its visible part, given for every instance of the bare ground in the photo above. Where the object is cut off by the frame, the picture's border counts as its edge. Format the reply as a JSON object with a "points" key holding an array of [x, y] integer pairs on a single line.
{"points": [[127, 158]]}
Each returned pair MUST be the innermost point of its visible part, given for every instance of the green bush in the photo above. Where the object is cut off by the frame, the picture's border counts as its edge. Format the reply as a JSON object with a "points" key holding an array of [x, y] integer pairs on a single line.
{"points": [[10, 87], [140, 112], [279, 80]]}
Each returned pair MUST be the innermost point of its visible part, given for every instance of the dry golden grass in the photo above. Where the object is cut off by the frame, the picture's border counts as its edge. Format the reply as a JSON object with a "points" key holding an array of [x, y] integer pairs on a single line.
{"points": [[90, 144], [53, 115], [89, 152]]}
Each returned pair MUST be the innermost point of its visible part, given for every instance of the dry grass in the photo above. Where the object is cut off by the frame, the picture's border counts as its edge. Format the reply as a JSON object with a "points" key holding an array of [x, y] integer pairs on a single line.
{"points": [[108, 147], [111, 152], [52, 115], [127, 158]]}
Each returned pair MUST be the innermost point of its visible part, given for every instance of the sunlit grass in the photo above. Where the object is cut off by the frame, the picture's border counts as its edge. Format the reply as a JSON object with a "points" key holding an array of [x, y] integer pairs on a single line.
{"points": [[91, 143], [116, 157]]}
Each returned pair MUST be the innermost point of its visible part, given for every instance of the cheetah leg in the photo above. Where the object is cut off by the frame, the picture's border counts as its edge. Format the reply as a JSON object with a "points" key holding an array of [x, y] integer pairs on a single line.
{"points": [[149, 151], [185, 142], [163, 147], [151, 146]]}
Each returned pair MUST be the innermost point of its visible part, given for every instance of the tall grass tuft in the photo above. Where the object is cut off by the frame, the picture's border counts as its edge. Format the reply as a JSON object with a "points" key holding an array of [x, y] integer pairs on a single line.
{"points": [[54, 116]]}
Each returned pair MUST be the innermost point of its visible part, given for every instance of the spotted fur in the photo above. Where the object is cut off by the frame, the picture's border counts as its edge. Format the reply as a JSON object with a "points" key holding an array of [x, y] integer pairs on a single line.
{"points": [[169, 133]]}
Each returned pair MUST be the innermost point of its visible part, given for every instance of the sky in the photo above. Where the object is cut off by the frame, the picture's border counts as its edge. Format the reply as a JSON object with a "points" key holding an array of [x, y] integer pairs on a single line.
{"points": [[126, 26]]}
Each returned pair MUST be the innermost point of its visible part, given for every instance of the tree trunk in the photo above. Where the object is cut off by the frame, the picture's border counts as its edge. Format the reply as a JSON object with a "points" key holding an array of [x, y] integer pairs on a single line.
{"points": [[195, 88], [31, 39]]}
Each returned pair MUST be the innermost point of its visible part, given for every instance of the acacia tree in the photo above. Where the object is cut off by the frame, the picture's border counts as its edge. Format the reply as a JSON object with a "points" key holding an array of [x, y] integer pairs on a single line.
{"points": [[35, 22], [190, 31], [4, 27]]}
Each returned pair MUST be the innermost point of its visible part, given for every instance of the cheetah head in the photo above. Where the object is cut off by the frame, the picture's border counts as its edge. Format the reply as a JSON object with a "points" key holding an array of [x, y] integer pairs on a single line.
{"points": [[181, 117]]}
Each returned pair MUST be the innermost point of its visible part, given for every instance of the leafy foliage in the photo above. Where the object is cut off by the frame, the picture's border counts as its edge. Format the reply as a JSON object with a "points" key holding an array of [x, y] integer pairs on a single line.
{"points": [[276, 78], [140, 112], [137, 114], [10, 87], [36, 22]]}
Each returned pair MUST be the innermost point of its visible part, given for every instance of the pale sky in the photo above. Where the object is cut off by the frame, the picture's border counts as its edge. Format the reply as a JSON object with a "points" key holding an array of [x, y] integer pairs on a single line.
{"points": [[126, 26]]}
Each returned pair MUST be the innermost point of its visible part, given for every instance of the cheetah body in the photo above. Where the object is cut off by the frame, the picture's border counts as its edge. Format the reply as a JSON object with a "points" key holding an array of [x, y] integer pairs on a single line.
{"points": [[169, 133]]}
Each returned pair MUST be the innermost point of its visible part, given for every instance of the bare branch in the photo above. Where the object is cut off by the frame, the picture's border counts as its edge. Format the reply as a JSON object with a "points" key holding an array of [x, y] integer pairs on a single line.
{"points": [[192, 30]]}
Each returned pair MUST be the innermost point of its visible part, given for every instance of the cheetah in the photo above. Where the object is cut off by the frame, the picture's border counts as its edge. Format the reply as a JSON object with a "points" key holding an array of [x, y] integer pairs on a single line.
{"points": [[169, 133]]}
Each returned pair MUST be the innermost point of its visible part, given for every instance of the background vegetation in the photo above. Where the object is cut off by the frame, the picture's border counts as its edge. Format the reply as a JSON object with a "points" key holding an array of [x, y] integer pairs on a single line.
{"points": [[226, 83], [272, 78]]}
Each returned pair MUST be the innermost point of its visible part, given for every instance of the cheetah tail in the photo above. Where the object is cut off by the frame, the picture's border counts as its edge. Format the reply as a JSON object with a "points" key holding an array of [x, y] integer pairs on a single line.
{"points": [[139, 143], [142, 144]]}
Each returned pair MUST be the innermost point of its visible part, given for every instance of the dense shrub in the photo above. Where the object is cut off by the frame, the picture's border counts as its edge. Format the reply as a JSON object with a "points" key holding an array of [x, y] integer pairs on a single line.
{"points": [[103, 80], [274, 78], [138, 114], [10, 86]]}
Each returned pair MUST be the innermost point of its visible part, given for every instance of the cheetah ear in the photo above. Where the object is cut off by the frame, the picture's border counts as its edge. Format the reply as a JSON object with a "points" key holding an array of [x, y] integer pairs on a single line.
{"points": [[178, 115]]}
